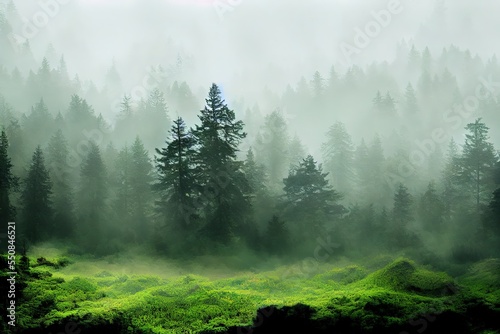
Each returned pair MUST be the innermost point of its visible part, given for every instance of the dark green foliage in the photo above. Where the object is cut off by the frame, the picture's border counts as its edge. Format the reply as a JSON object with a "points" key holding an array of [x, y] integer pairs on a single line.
{"points": [[401, 217], [177, 183], [477, 161], [8, 183], [277, 236], [92, 199], [219, 174], [62, 192], [37, 214], [309, 200], [431, 210]]}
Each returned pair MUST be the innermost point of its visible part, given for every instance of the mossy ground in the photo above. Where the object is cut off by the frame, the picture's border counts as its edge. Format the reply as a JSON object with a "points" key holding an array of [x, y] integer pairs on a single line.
{"points": [[401, 295]]}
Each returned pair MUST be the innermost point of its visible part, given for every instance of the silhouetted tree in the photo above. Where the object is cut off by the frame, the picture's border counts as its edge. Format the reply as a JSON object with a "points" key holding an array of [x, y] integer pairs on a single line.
{"points": [[310, 200], [8, 183], [217, 138], [92, 198], [62, 193], [477, 161], [36, 214]]}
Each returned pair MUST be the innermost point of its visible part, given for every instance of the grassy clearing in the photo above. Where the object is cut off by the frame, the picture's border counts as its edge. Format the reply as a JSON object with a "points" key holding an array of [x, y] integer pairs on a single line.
{"points": [[94, 293]]}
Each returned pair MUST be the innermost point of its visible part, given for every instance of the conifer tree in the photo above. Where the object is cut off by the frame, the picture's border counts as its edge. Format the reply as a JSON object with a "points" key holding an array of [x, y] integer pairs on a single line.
{"points": [[309, 198], [8, 183], [217, 139], [177, 184], [92, 198], [338, 154], [477, 162], [36, 215], [62, 191]]}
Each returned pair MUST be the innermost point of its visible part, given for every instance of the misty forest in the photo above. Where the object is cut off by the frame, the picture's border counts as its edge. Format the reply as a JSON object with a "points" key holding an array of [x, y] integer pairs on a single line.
{"points": [[172, 168]]}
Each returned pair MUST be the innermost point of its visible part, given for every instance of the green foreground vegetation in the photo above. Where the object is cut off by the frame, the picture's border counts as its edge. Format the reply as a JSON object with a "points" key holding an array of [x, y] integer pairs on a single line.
{"points": [[384, 294]]}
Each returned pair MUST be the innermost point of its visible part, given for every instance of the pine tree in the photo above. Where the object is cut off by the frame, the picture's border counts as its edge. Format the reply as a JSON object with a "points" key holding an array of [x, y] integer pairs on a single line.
{"points": [[401, 217], [338, 154], [477, 161], [125, 121], [411, 104], [452, 193], [39, 124], [177, 184], [255, 173], [219, 172], [362, 168], [431, 210], [309, 198], [92, 200], [8, 183], [389, 105], [36, 215], [297, 151], [317, 86], [155, 120], [141, 179], [277, 236], [414, 59], [272, 147], [62, 192], [378, 102], [122, 202]]}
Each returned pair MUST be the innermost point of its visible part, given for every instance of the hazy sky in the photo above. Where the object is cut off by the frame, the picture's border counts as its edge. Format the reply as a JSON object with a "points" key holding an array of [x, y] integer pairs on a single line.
{"points": [[245, 36]]}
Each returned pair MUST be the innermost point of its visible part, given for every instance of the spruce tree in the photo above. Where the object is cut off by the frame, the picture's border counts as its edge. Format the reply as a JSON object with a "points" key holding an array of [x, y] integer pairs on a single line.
{"points": [[219, 173], [401, 217], [431, 210], [477, 162], [92, 198], [411, 103], [62, 191], [272, 148], [338, 155], [277, 236], [309, 199], [36, 215], [8, 183], [177, 184]]}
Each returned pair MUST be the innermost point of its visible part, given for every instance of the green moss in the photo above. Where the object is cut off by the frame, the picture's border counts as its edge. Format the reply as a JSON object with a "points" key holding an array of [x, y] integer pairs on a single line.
{"points": [[385, 298], [405, 276]]}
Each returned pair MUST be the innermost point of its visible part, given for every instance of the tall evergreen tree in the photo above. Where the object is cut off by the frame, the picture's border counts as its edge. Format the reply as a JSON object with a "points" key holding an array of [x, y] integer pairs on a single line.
{"points": [[177, 182], [338, 154], [141, 178], [62, 192], [452, 188], [411, 103], [431, 210], [218, 137], [401, 217], [310, 200], [477, 162], [297, 151], [272, 148], [36, 215], [8, 183], [155, 119], [92, 200]]}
